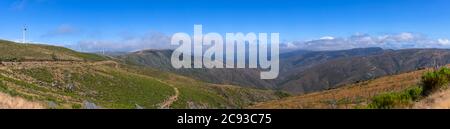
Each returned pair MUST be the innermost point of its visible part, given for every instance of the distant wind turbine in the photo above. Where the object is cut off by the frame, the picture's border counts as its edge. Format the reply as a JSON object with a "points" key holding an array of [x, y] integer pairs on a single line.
{"points": [[25, 29]]}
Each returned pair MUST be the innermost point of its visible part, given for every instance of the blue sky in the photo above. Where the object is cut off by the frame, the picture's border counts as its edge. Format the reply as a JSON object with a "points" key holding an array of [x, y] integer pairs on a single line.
{"points": [[109, 22]]}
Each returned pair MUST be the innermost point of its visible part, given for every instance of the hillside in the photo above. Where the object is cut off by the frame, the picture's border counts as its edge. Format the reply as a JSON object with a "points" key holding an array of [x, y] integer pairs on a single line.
{"points": [[56, 77], [307, 71], [440, 100], [291, 63], [7, 101], [338, 72], [11, 51], [349, 96], [160, 59]]}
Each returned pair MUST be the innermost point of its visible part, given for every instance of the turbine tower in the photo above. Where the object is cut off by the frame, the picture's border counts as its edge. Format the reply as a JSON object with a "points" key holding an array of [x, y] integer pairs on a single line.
{"points": [[24, 33]]}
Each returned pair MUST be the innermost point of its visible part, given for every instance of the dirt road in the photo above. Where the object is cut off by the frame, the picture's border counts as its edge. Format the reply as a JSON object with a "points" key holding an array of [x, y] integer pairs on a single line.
{"points": [[166, 104]]}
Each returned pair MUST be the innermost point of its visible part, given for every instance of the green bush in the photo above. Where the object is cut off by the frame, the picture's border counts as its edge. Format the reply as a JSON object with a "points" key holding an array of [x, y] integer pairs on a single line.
{"points": [[396, 99], [282, 94], [435, 80], [431, 82], [76, 106], [385, 101], [445, 71], [415, 93]]}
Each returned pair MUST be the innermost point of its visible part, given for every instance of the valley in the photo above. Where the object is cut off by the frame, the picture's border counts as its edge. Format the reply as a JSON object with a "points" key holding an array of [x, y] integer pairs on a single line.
{"points": [[303, 71]]}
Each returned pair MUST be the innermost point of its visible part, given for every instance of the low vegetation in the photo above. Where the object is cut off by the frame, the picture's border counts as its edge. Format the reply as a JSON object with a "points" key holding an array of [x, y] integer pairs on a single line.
{"points": [[435, 80], [356, 95], [431, 82], [15, 52], [396, 99], [395, 91], [57, 77]]}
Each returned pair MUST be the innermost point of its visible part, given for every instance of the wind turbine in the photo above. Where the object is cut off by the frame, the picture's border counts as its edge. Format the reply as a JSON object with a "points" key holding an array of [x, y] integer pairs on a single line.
{"points": [[24, 31]]}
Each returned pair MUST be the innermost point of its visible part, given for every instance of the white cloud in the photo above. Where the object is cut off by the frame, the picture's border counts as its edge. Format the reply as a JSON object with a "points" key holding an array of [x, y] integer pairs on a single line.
{"points": [[327, 38], [444, 41], [405, 36], [290, 45], [388, 41], [126, 44]]}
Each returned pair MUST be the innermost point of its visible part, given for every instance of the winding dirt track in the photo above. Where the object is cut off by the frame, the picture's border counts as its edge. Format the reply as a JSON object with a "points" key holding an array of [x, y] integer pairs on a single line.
{"points": [[166, 104], [169, 101]]}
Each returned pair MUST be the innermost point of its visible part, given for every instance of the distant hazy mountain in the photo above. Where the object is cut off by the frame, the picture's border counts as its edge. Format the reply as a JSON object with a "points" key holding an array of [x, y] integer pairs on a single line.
{"points": [[160, 59], [293, 63], [295, 66], [307, 71], [333, 73]]}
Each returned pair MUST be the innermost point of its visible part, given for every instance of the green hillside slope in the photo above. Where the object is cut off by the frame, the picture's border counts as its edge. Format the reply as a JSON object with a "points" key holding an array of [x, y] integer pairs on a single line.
{"points": [[11, 51], [57, 77]]}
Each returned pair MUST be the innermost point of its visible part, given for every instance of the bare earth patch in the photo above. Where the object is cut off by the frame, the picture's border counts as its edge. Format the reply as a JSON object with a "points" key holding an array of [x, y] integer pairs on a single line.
{"points": [[9, 102], [440, 100]]}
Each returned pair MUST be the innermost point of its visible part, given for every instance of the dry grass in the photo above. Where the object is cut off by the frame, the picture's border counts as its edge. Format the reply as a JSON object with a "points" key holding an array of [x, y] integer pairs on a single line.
{"points": [[440, 100], [9, 102], [349, 96]]}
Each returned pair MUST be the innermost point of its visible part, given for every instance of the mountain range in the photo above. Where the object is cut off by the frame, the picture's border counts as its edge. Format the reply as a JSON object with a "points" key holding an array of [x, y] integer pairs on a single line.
{"points": [[304, 71]]}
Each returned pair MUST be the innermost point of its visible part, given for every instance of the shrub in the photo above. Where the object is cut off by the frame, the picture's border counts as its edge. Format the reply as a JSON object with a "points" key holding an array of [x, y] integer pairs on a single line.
{"points": [[384, 101], [76, 106], [282, 94], [445, 71], [396, 99], [431, 82], [415, 93], [54, 57], [435, 80]]}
